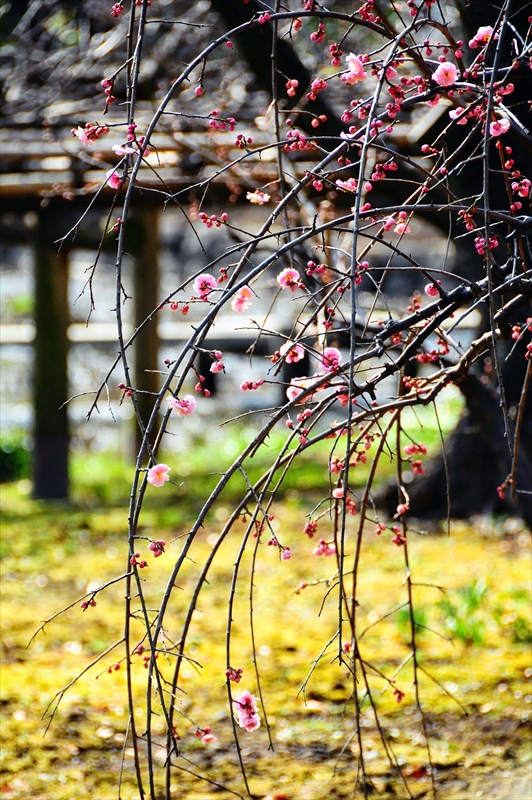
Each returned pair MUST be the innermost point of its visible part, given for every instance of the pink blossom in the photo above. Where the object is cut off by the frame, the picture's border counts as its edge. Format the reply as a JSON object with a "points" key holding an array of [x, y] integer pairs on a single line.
{"points": [[241, 300], [203, 285], [522, 187], [217, 366], [184, 407], [257, 197], [249, 385], [82, 135], [402, 227], [338, 493], [459, 115], [482, 36], [350, 185], [286, 554], [158, 475], [297, 386], [356, 70], [122, 149], [330, 359], [289, 279], [480, 244], [207, 737], [391, 73], [292, 352], [435, 100], [234, 675], [446, 74], [431, 290], [113, 179], [324, 549], [246, 711], [388, 223], [499, 127]]}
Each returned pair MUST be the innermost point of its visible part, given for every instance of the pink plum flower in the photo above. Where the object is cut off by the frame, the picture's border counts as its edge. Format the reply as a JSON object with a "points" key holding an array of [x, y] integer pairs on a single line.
{"points": [[217, 366], [292, 352], [83, 135], [297, 386], [184, 407], [356, 70], [330, 359], [113, 179], [388, 223], [459, 115], [122, 149], [207, 737], [402, 227], [242, 299], [446, 74], [499, 127], [482, 37], [286, 555], [158, 475], [257, 197], [289, 279], [350, 185], [245, 708], [324, 549], [203, 285]]}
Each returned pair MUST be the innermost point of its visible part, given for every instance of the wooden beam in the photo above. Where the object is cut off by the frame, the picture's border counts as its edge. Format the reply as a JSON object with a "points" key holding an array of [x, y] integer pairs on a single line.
{"points": [[50, 381]]}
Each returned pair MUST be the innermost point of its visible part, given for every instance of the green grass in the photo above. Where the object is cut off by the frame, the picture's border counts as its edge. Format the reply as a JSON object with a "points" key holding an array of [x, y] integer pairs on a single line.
{"points": [[53, 552]]}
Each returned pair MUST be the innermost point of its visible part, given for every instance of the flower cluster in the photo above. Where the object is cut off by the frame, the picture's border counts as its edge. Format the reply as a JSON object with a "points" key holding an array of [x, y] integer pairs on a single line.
{"points": [[297, 141], [157, 547], [221, 124], [356, 72], [258, 198], [246, 713], [480, 244], [250, 385], [205, 734], [89, 133], [212, 220], [234, 675], [324, 548]]}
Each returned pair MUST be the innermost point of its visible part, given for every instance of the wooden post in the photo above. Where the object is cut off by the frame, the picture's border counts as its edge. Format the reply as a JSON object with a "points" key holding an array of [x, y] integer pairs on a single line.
{"points": [[50, 379], [144, 244]]}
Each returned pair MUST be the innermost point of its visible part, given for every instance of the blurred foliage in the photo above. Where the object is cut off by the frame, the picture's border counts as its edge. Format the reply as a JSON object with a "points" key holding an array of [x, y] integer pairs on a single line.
{"points": [[15, 457]]}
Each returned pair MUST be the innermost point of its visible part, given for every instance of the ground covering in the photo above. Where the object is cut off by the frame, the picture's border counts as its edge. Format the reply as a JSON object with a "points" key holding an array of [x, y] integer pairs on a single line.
{"points": [[477, 649]]}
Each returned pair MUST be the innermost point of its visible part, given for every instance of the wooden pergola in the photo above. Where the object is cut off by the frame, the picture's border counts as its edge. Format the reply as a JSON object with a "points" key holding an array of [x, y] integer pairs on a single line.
{"points": [[50, 182]]}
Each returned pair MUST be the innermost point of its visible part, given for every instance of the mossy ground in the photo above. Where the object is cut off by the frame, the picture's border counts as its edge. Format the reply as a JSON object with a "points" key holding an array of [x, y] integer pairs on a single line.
{"points": [[52, 553]]}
